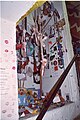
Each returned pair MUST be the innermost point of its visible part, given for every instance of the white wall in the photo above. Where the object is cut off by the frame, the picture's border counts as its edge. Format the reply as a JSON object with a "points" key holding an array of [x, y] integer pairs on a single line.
{"points": [[9, 92]]}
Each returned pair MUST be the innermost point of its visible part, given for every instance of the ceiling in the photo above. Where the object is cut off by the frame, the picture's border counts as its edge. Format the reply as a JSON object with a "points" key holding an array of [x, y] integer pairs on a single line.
{"points": [[13, 10]]}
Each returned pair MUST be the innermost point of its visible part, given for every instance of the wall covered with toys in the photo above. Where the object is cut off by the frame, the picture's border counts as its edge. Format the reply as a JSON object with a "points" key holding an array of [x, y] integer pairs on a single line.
{"points": [[41, 56], [56, 48]]}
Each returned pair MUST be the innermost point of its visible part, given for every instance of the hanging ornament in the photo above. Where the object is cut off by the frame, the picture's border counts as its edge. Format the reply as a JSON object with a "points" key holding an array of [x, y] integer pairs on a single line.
{"points": [[55, 68], [50, 42]]}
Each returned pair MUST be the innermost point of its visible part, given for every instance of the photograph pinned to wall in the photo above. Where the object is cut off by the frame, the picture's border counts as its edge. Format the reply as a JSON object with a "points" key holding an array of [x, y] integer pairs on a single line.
{"points": [[55, 65], [61, 63], [36, 78]]}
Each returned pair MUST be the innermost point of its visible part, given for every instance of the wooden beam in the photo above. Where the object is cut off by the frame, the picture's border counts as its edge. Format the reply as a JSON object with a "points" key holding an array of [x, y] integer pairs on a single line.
{"points": [[55, 89]]}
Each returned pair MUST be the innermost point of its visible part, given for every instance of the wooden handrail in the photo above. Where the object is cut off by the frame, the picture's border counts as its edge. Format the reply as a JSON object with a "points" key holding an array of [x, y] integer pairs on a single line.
{"points": [[54, 90]]}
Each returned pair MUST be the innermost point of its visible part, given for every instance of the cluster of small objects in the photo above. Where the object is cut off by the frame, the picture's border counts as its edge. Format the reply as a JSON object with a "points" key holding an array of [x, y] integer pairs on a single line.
{"points": [[33, 57], [29, 102]]}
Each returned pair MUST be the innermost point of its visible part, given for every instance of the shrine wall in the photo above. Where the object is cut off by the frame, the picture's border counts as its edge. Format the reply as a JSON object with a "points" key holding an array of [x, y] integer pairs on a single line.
{"points": [[51, 75]]}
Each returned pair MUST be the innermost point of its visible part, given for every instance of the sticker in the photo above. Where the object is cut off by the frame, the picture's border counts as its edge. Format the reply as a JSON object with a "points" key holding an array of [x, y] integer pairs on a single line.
{"points": [[50, 42], [7, 103], [61, 63], [51, 51], [59, 39], [60, 53], [50, 75], [52, 63], [61, 23], [55, 62], [13, 67], [56, 68], [6, 41], [59, 46], [55, 48], [36, 78], [4, 111], [6, 50], [52, 35], [53, 45], [18, 46], [52, 57]]}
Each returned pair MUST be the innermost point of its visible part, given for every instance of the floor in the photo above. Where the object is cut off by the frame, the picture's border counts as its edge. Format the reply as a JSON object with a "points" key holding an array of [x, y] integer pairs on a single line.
{"points": [[77, 118]]}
